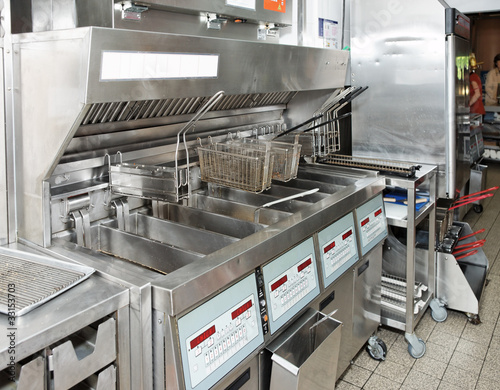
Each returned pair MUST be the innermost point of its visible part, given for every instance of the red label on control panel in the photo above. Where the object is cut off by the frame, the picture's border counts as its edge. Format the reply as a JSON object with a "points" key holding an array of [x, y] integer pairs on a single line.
{"points": [[365, 221], [279, 283], [304, 265], [275, 5], [378, 212], [202, 337], [329, 247], [347, 235], [240, 310]]}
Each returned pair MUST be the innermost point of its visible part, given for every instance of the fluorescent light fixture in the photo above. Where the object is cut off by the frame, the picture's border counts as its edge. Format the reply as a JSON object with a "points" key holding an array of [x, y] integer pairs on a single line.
{"points": [[128, 65]]}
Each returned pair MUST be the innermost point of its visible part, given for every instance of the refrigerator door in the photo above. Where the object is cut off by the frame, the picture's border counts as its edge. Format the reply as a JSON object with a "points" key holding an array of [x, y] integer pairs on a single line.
{"points": [[457, 115]]}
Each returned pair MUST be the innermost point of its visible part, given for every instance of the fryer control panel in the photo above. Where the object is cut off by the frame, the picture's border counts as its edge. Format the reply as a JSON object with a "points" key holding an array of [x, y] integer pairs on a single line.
{"points": [[372, 224], [291, 282], [218, 335], [338, 246]]}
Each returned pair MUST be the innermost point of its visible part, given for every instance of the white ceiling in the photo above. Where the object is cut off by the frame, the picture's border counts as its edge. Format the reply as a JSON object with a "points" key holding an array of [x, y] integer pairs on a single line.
{"points": [[467, 6]]}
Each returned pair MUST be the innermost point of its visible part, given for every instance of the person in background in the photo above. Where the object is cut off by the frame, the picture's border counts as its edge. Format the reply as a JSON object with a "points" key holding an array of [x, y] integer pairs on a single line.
{"points": [[475, 89], [492, 81]]}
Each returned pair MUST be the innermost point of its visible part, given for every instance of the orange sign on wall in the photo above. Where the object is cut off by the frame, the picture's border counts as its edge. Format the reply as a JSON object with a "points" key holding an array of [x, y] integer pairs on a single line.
{"points": [[275, 5]]}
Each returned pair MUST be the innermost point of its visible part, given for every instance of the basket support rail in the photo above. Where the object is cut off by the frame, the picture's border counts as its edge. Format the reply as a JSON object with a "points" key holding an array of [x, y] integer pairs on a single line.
{"points": [[191, 125]]}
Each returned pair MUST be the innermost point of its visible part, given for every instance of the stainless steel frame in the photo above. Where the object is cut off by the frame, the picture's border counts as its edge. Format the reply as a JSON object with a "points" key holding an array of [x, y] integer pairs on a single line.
{"points": [[3, 171], [407, 262], [8, 219]]}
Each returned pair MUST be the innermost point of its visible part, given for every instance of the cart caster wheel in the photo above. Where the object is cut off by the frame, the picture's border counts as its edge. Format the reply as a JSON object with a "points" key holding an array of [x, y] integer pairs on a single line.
{"points": [[439, 315], [377, 349], [418, 351], [438, 310], [473, 318], [478, 208]]}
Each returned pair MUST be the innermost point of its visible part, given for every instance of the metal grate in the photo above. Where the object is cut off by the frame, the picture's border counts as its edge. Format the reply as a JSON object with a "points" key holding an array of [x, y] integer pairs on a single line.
{"points": [[144, 109], [386, 166], [394, 294], [30, 283]]}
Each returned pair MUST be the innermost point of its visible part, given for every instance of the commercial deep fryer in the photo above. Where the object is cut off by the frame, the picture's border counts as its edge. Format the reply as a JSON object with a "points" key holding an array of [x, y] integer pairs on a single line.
{"points": [[200, 260]]}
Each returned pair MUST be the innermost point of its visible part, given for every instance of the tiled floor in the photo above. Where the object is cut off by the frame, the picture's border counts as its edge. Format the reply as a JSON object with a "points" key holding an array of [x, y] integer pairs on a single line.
{"points": [[459, 355]]}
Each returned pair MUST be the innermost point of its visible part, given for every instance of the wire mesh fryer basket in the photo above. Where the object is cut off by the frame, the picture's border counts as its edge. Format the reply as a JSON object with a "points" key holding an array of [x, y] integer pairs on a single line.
{"points": [[236, 165], [286, 156]]}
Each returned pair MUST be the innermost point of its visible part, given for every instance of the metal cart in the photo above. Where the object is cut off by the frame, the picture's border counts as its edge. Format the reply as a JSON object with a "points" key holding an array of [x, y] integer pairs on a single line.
{"points": [[408, 270]]}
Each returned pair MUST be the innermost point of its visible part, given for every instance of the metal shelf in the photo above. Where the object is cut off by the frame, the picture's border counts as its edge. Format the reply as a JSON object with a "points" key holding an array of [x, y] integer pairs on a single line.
{"points": [[421, 215], [399, 313]]}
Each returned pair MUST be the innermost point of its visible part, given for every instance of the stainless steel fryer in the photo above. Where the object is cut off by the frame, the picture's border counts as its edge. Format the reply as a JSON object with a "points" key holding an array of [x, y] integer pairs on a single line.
{"points": [[177, 255]]}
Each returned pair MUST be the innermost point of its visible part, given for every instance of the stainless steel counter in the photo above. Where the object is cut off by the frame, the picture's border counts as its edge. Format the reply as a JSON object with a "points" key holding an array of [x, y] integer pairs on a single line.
{"points": [[78, 307]]}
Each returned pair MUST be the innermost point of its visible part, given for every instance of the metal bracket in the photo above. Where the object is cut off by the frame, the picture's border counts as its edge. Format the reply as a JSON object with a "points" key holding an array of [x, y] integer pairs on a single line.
{"points": [[133, 11], [70, 205], [215, 22], [122, 214], [81, 219]]}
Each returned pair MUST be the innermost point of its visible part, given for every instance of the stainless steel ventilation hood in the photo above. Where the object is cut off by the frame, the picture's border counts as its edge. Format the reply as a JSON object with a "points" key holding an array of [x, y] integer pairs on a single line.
{"points": [[60, 80]]}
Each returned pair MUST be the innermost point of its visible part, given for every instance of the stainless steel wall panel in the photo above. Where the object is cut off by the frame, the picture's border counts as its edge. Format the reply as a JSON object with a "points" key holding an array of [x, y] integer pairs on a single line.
{"points": [[416, 108], [398, 51], [48, 15], [94, 13], [47, 118]]}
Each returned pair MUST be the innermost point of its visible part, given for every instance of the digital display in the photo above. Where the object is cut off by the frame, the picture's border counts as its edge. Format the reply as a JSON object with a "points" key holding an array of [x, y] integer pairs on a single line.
{"points": [[329, 247], [378, 212], [365, 221], [304, 265], [279, 283], [240, 310], [347, 235], [202, 337]]}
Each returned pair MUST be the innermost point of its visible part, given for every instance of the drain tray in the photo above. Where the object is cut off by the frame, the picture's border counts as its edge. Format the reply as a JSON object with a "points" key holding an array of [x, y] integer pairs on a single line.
{"points": [[28, 280]]}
